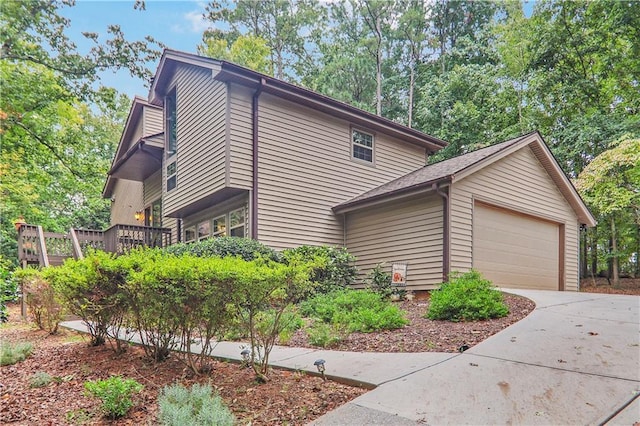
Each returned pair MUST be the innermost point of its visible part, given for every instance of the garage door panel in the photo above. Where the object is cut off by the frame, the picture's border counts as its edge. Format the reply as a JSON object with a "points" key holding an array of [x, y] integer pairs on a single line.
{"points": [[514, 250]]}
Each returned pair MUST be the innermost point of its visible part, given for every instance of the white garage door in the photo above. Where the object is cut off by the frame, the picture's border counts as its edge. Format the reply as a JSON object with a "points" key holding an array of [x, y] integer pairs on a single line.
{"points": [[514, 250]]}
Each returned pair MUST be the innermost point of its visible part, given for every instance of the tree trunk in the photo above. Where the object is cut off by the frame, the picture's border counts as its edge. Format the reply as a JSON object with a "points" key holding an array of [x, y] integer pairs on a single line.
{"points": [[594, 251], [583, 258], [412, 78], [379, 68], [614, 252]]}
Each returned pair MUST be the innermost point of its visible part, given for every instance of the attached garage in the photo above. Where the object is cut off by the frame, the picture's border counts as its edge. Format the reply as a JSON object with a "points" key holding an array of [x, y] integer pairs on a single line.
{"points": [[507, 210], [515, 250]]}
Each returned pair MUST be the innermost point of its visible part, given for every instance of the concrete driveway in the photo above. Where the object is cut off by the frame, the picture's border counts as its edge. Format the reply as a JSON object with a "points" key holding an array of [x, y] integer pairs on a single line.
{"points": [[574, 360]]}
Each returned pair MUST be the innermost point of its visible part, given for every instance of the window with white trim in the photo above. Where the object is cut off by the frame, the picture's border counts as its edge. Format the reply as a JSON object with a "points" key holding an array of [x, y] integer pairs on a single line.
{"points": [[362, 145], [220, 226], [204, 230], [190, 234], [171, 114], [172, 171], [237, 223]]}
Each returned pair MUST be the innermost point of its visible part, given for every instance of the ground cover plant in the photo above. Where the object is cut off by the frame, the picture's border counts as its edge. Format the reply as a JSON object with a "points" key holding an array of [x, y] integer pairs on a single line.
{"points": [[467, 297], [198, 405], [11, 353], [115, 393]]}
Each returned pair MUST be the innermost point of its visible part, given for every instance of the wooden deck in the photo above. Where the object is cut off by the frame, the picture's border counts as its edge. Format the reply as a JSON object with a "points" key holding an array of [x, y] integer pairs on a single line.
{"points": [[35, 246]]}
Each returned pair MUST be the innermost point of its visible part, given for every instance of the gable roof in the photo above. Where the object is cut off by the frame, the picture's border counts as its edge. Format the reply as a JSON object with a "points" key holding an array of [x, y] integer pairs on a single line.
{"points": [[457, 168], [230, 72]]}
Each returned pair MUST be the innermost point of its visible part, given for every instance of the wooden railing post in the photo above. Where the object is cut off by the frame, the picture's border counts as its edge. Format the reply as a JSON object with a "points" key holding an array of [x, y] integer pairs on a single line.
{"points": [[77, 250], [42, 248]]}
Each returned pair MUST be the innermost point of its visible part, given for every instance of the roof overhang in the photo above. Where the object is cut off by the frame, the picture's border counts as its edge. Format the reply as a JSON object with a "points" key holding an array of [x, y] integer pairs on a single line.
{"points": [[138, 163]]}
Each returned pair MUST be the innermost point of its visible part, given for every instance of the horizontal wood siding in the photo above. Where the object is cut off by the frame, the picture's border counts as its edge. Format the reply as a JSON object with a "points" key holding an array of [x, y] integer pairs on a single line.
{"points": [[240, 137], [517, 182], [153, 123], [201, 111], [138, 132], [409, 231], [305, 168], [127, 200], [153, 188]]}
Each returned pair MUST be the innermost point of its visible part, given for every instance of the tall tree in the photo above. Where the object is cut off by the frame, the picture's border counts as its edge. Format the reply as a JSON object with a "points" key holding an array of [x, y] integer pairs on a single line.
{"points": [[283, 24], [249, 51]]}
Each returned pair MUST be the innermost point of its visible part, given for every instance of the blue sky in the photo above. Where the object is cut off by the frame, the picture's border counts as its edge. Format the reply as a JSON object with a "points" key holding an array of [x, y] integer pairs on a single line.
{"points": [[177, 24]]}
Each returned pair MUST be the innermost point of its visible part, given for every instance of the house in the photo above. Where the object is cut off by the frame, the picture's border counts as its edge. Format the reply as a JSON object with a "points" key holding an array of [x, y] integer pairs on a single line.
{"points": [[243, 154]]}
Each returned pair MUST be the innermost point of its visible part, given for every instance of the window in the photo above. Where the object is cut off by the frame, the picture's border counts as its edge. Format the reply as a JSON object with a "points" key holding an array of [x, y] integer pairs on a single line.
{"points": [[220, 226], [204, 230], [172, 182], [172, 123], [362, 145], [236, 223], [190, 234], [153, 214]]}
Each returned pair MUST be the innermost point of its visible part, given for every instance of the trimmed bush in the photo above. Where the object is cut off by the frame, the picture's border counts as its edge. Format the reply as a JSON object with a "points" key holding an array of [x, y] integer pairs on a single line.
{"points": [[334, 270], [245, 248], [196, 406], [41, 298], [115, 394], [356, 310], [13, 353], [325, 335], [466, 297]]}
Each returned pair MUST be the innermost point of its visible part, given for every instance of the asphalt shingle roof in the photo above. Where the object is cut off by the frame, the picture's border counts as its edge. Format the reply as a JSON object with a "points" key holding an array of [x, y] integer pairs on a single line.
{"points": [[432, 173]]}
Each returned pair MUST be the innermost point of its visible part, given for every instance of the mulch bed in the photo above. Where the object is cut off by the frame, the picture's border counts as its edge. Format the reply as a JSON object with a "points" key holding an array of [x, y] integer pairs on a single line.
{"points": [[630, 286], [425, 335]]}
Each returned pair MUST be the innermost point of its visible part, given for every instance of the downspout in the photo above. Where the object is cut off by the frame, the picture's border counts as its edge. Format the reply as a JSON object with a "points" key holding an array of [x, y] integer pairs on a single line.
{"points": [[446, 226], [254, 192]]}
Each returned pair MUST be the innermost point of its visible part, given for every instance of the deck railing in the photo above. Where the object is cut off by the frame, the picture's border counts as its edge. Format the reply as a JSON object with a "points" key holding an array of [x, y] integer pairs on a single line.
{"points": [[44, 248]]}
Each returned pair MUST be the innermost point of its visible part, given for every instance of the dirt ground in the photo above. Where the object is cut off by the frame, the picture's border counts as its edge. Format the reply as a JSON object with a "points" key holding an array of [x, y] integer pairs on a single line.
{"points": [[601, 285], [288, 398]]}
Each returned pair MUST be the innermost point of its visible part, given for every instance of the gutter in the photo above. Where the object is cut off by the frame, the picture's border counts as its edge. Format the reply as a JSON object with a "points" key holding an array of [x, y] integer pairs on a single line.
{"points": [[446, 227], [255, 128]]}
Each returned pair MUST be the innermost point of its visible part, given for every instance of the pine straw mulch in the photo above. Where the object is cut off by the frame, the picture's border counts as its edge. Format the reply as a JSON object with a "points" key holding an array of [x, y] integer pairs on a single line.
{"points": [[288, 398]]}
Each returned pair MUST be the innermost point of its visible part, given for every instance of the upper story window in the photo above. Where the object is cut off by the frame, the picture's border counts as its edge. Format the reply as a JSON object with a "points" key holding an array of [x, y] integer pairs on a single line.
{"points": [[172, 178], [362, 145], [171, 111]]}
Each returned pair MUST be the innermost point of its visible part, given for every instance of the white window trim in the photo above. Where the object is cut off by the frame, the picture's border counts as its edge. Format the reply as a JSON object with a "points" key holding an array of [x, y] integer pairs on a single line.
{"points": [[372, 147], [222, 233], [195, 236], [243, 224]]}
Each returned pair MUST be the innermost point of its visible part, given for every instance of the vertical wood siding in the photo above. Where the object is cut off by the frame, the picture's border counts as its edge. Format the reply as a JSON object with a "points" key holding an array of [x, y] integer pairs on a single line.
{"points": [[305, 168], [152, 119], [518, 182], [201, 111], [127, 196], [408, 231], [240, 137]]}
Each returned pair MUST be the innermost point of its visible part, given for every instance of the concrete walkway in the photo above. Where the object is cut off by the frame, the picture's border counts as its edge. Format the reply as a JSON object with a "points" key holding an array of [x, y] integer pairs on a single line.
{"points": [[574, 360]]}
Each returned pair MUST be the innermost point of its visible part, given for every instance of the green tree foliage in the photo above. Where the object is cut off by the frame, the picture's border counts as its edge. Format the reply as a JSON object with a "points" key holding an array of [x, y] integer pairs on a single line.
{"points": [[610, 185], [249, 51], [56, 148]]}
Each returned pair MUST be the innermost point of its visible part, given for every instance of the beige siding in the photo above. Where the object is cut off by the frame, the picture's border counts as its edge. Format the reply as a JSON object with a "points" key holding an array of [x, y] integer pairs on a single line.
{"points": [[153, 188], [240, 138], [138, 132], [217, 210], [127, 200], [152, 120], [409, 231], [516, 182], [201, 137], [305, 168]]}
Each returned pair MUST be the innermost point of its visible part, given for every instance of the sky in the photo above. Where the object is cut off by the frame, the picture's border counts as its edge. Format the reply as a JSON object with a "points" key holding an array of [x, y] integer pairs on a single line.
{"points": [[177, 24]]}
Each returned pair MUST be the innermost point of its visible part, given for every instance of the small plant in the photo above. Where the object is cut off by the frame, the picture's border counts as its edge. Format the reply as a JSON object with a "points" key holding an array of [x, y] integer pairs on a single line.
{"points": [[40, 379], [379, 281], [41, 299], [466, 297], [355, 310], [325, 335], [13, 353], [196, 406], [335, 272], [115, 394]]}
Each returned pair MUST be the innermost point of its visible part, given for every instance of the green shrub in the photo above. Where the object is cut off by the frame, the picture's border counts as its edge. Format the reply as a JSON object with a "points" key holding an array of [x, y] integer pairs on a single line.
{"points": [[8, 288], [325, 335], [90, 288], [466, 297], [13, 353], [356, 310], [336, 269], [196, 406], [245, 248], [40, 379], [41, 298], [115, 394], [379, 281]]}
